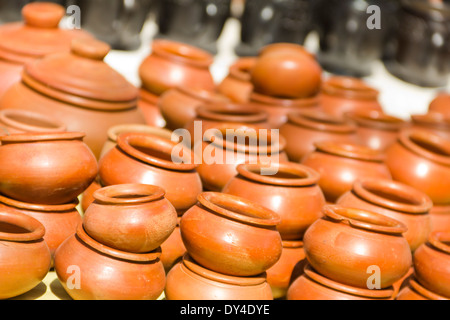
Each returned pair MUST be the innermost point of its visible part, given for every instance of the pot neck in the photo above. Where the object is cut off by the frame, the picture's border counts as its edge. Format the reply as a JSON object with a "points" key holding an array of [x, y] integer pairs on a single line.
{"points": [[129, 194]]}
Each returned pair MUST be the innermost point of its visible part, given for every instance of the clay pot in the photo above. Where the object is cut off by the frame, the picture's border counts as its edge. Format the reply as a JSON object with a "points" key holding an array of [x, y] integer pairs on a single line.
{"points": [[291, 191], [21, 121], [305, 128], [130, 217], [396, 200], [89, 270], [422, 160], [88, 195], [188, 280], [440, 218], [440, 104], [237, 84], [313, 286], [147, 159], [45, 168], [172, 64], [415, 291], [24, 256], [341, 164], [79, 89], [178, 105], [148, 104], [432, 264], [347, 242], [340, 94], [173, 249], [436, 123], [211, 229]]}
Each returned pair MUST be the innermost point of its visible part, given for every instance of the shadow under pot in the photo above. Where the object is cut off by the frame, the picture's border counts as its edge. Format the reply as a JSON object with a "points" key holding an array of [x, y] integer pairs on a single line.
{"points": [[348, 245], [211, 229], [22, 121], [440, 218], [433, 122], [188, 280], [149, 159], [396, 200], [107, 273], [291, 190], [237, 84], [422, 160], [415, 291]]}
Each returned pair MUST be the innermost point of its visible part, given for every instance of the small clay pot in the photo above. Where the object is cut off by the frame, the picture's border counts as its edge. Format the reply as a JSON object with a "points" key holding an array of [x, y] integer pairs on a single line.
{"points": [[313, 286], [89, 270], [148, 104], [188, 280], [173, 249], [341, 164], [432, 264], [305, 128], [172, 64], [21, 121], [147, 159], [440, 218], [396, 200], [46, 168], [440, 104], [237, 84], [24, 255], [433, 122], [213, 227], [130, 217], [415, 291], [422, 160], [347, 242], [291, 191]]}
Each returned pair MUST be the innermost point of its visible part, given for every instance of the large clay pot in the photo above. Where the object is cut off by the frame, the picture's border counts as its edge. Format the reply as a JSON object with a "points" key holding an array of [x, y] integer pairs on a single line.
{"points": [[21, 121], [79, 89], [341, 164], [188, 280], [45, 168], [148, 104], [440, 218], [89, 270], [237, 84], [422, 160], [415, 291], [440, 103], [347, 243], [231, 235], [173, 249], [292, 192], [396, 200], [433, 122], [24, 255]]}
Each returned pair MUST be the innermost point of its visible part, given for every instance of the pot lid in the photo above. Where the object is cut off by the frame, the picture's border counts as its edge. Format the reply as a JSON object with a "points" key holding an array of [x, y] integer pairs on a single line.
{"points": [[38, 34]]}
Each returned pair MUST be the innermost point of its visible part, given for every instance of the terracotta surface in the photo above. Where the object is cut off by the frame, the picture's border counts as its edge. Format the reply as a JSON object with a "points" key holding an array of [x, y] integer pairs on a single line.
{"points": [[440, 218], [148, 104], [433, 122], [173, 249], [415, 291], [440, 103], [237, 84], [22, 121]]}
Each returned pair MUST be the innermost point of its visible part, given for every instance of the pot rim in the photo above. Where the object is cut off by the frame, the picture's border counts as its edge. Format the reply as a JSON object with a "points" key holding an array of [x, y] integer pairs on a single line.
{"points": [[39, 207], [114, 132], [241, 67], [321, 121], [284, 102], [432, 120], [206, 96], [292, 244], [53, 124], [231, 112], [285, 45], [349, 87], [349, 150], [424, 292], [42, 137], [376, 119], [143, 193], [438, 238], [36, 229]]}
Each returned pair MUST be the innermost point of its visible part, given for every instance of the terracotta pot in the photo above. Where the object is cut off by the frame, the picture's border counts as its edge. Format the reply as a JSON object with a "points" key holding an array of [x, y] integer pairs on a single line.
{"points": [[348, 242], [130, 217], [89, 270], [172, 64], [396, 200], [148, 104], [88, 195], [403, 282], [173, 249], [305, 128], [340, 94], [79, 89], [433, 122], [313, 286], [284, 272], [376, 129], [190, 281], [178, 105], [292, 192], [53, 168], [422, 160], [440, 104], [147, 159], [237, 84], [286, 70], [341, 164], [24, 256], [231, 235], [21, 121], [440, 218], [432, 264], [414, 291]]}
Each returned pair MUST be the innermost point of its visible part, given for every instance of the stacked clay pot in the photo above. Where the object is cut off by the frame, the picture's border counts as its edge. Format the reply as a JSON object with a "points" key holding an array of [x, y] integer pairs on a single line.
{"points": [[237, 84]]}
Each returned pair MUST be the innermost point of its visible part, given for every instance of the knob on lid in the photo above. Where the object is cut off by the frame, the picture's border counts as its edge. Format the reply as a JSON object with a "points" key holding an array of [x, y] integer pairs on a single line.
{"points": [[43, 14]]}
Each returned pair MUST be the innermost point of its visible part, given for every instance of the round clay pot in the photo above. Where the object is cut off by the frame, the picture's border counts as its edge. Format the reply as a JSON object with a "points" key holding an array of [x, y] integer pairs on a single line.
{"points": [[341, 94], [188, 280], [415, 291], [305, 128], [45, 168], [147, 159], [313, 286], [89, 270], [173, 249], [172, 64], [440, 104], [440, 218], [292, 192], [375, 129], [341, 164], [21, 121], [24, 255], [231, 235], [432, 264], [433, 122], [237, 84], [422, 160], [347, 242], [178, 105], [130, 217], [396, 200], [148, 104], [286, 70]]}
